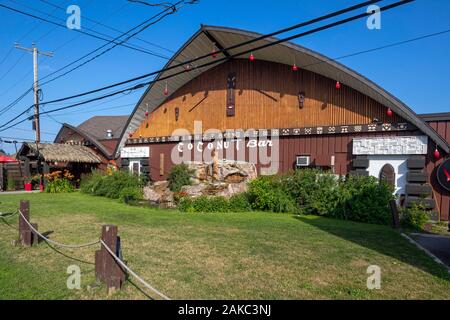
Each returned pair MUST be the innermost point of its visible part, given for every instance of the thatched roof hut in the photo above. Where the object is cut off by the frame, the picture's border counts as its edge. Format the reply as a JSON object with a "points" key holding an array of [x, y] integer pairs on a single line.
{"points": [[58, 152]]}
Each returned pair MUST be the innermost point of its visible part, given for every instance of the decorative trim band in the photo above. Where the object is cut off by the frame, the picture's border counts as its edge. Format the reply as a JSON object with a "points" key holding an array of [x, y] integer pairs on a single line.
{"points": [[281, 132]]}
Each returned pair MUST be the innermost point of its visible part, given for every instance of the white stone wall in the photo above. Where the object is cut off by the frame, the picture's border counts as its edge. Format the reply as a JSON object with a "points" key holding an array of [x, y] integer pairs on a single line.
{"points": [[376, 163], [390, 145]]}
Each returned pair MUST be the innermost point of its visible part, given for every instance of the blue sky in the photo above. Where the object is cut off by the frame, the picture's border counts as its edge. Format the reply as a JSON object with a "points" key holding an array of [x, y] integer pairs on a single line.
{"points": [[417, 73]]}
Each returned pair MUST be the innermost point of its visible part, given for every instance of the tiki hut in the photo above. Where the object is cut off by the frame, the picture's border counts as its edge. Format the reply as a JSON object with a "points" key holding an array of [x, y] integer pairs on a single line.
{"points": [[47, 157]]}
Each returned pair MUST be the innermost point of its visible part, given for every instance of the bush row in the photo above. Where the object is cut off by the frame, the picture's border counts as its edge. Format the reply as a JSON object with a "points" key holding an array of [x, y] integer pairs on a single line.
{"points": [[311, 191], [121, 185], [308, 191], [236, 203]]}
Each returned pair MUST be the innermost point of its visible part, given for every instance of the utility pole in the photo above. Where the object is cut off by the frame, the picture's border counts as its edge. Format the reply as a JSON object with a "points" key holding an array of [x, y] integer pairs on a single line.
{"points": [[36, 53]]}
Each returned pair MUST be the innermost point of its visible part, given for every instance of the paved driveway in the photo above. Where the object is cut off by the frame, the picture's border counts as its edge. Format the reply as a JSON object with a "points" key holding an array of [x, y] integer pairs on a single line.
{"points": [[437, 245]]}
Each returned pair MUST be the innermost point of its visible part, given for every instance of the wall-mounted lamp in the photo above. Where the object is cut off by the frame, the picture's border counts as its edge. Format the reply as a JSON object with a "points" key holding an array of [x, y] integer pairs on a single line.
{"points": [[301, 99]]}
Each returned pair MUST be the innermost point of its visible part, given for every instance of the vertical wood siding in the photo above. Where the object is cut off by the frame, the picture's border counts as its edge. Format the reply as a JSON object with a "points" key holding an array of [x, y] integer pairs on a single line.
{"points": [[266, 97]]}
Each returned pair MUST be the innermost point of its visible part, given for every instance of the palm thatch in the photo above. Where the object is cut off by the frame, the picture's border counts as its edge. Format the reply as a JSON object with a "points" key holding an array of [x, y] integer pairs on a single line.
{"points": [[64, 152]]}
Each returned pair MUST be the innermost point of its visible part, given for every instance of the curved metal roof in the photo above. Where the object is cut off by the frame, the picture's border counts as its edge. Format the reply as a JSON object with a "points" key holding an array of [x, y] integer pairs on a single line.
{"points": [[202, 43]]}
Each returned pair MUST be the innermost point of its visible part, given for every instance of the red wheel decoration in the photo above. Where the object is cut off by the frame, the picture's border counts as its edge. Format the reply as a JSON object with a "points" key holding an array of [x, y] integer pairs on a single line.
{"points": [[338, 85]]}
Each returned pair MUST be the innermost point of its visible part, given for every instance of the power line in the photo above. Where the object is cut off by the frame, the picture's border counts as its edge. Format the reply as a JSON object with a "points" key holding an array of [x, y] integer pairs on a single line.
{"points": [[333, 14], [57, 48], [189, 62], [110, 27], [139, 86], [131, 46], [110, 48], [100, 37]]}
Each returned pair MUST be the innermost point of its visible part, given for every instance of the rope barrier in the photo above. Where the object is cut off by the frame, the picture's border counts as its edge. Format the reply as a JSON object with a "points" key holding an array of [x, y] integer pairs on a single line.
{"points": [[4, 215], [73, 246], [132, 272], [120, 262]]}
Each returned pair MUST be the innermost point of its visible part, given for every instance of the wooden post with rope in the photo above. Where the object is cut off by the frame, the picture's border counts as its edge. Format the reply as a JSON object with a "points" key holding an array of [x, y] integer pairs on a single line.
{"points": [[107, 269], [27, 237]]}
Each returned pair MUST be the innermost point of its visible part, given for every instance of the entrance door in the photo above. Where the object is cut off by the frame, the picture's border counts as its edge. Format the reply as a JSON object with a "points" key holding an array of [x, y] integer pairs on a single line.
{"points": [[387, 174], [135, 167]]}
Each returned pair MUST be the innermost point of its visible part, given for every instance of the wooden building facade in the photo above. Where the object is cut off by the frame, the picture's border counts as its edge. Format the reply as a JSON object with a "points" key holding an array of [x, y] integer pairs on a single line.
{"points": [[263, 110]]}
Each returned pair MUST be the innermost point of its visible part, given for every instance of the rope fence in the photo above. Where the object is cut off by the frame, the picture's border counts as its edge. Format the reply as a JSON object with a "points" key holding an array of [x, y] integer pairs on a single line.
{"points": [[111, 271], [72, 246], [123, 265]]}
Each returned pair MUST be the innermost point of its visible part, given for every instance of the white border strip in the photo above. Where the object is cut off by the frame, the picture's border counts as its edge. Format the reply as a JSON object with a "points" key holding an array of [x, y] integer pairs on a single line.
{"points": [[436, 259]]}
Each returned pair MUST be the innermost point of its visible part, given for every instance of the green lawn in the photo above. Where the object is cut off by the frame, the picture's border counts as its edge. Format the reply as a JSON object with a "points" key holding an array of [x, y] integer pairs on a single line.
{"points": [[213, 256]]}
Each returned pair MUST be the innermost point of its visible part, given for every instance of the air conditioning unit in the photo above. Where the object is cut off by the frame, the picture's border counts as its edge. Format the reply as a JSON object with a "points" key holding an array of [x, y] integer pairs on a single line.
{"points": [[303, 161]]}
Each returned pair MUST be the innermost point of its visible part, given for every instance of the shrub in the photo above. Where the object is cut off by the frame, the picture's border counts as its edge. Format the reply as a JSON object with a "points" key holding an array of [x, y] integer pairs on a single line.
{"points": [[364, 199], [266, 193], [179, 176], [314, 191], [109, 185], [210, 204], [131, 193], [415, 217], [239, 203]]}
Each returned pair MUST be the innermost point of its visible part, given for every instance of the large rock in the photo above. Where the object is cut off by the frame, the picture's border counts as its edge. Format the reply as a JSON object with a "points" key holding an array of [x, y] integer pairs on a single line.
{"points": [[159, 193], [229, 171], [218, 178]]}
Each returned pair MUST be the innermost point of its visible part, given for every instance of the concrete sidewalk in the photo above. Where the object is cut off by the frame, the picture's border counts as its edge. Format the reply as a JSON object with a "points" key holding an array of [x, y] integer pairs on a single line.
{"points": [[18, 192]]}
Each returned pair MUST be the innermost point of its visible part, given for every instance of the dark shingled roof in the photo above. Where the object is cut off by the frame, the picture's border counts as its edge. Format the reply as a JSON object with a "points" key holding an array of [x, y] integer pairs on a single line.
{"points": [[97, 126]]}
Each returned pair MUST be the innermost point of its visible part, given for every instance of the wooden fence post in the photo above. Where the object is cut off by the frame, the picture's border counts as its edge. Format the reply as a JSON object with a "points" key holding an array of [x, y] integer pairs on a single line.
{"points": [[394, 212], [27, 237], [107, 269]]}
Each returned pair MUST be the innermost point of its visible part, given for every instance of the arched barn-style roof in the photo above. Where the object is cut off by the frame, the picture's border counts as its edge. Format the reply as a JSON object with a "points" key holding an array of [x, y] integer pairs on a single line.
{"points": [[202, 43]]}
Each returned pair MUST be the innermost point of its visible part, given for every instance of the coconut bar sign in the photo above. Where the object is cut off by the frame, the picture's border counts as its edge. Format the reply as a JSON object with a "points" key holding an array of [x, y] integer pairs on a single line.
{"points": [[238, 144]]}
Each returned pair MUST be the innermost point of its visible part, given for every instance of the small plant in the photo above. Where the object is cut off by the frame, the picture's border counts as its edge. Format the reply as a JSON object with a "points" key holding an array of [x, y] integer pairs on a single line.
{"points": [[179, 176], [239, 203], [177, 196], [59, 181], [11, 184], [415, 217], [130, 194]]}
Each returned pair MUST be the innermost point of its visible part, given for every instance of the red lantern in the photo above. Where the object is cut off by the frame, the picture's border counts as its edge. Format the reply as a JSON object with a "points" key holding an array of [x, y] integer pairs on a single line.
{"points": [[252, 57], [338, 85], [214, 51], [166, 90], [436, 154], [130, 134], [389, 112], [294, 67], [146, 114]]}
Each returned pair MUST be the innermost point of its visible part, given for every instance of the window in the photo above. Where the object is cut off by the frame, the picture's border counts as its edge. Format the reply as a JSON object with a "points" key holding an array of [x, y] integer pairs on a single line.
{"points": [[387, 174]]}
